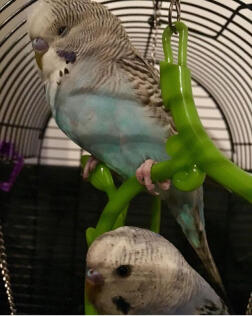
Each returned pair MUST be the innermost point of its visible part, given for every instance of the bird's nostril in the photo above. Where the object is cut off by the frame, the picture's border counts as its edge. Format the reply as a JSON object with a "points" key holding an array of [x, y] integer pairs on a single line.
{"points": [[40, 45]]}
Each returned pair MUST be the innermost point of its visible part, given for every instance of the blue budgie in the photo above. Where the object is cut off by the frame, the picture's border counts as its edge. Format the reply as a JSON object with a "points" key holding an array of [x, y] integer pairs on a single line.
{"points": [[106, 98], [135, 271]]}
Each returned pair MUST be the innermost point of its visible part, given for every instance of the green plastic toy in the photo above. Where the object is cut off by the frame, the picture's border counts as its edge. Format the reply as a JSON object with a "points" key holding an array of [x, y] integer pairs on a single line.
{"points": [[193, 154], [192, 144]]}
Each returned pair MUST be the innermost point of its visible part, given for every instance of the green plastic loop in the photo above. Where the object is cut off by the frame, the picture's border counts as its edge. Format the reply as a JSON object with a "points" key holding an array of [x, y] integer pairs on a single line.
{"points": [[183, 36]]}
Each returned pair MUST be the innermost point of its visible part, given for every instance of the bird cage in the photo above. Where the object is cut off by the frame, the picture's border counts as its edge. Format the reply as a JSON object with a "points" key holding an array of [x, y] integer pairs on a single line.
{"points": [[219, 59]]}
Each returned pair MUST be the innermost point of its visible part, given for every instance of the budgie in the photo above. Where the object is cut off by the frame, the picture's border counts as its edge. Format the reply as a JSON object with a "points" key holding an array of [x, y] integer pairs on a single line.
{"points": [[107, 99], [135, 271]]}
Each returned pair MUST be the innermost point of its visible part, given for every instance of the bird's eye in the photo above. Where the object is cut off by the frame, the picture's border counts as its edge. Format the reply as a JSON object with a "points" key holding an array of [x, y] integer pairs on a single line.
{"points": [[62, 30], [123, 271]]}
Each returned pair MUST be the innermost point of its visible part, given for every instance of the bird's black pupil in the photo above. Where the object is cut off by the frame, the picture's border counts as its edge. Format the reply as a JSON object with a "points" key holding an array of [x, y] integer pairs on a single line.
{"points": [[123, 270], [61, 30]]}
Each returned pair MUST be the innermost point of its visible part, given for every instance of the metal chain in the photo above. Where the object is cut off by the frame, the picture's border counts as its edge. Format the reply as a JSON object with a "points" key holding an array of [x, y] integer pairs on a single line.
{"points": [[156, 23], [178, 9], [249, 306], [5, 273]]}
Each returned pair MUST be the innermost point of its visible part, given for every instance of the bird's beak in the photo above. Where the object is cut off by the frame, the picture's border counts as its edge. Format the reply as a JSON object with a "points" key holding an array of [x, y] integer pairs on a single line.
{"points": [[38, 58], [94, 278], [94, 283], [40, 47]]}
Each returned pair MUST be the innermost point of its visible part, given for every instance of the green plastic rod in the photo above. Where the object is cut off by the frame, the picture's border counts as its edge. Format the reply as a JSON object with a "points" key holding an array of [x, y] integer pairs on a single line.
{"points": [[102, 180], [115, 212], [127, 191]]}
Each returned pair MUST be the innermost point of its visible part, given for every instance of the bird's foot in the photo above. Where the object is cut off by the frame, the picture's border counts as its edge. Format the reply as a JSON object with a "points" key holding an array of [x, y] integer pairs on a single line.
{"points": [[143, 175], [89, 167]]}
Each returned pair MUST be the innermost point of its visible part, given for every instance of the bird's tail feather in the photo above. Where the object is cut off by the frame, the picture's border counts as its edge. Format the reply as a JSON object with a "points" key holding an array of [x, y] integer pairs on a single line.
{"points": [[187, 208]]}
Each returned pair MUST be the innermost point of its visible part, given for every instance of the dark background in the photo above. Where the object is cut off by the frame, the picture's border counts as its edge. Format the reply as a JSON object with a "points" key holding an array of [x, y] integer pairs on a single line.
{"points": [[44, 220], [45, 216]]}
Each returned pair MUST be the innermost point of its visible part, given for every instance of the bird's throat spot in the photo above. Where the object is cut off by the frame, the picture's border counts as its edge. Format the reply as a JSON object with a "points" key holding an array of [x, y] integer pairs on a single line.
{"points": [[70, 57], [121, 304]]}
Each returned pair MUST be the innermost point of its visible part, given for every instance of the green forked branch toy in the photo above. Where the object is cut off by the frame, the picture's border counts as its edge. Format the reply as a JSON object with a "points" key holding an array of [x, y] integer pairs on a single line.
{"points": [[192, 147], [193, 154]]}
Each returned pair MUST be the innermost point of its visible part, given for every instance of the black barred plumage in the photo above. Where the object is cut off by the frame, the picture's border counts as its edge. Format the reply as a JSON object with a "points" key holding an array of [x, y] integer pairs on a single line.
{"points": [[209, 308], [145, 81], [160, 280]]}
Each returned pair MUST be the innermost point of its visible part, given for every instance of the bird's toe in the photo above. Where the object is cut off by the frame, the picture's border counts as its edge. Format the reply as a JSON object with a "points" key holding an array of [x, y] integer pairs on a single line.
{"points": [[89, 167], [143, 175]]}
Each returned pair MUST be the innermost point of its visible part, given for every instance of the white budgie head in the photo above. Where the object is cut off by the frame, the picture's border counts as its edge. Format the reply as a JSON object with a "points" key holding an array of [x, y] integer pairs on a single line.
{"points": [[67, 30], [132, 270]]}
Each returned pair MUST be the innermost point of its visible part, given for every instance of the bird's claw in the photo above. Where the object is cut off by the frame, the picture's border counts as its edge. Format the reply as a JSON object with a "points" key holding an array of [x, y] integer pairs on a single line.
{"points": [[143, 175], [89, 167]]}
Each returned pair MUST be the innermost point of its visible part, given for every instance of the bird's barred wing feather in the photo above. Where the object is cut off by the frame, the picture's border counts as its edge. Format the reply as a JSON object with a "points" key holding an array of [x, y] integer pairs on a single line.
{"points": [[145, 81]]}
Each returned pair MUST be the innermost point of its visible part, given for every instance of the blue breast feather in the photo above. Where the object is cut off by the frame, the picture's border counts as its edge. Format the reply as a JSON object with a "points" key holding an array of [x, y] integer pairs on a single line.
{"points": [[116, 130]]}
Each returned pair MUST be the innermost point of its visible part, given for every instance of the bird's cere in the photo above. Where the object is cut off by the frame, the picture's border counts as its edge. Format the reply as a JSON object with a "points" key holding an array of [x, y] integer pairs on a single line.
{"points": [[40, 45]]}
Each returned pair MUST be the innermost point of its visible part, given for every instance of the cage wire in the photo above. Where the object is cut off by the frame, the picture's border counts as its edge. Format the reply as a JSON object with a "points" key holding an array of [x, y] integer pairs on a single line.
{"points": [[218, 56], [6, 274]]}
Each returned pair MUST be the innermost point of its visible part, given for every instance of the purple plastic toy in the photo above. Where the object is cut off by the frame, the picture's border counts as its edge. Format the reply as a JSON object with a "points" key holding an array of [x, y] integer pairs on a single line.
{"points": [[7, 150]]}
